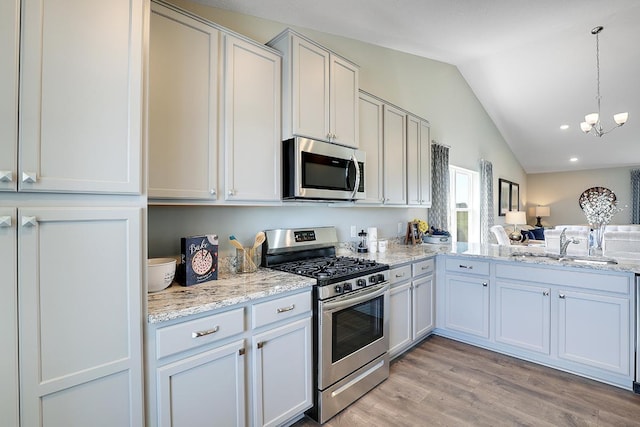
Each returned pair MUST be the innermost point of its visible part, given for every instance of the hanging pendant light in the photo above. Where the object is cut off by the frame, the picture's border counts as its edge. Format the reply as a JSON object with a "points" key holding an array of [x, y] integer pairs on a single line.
{"points": [[591, 122]]}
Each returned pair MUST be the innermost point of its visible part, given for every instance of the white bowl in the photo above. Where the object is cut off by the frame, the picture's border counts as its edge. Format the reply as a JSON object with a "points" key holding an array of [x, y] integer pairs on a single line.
{"points": [[160, 273]]}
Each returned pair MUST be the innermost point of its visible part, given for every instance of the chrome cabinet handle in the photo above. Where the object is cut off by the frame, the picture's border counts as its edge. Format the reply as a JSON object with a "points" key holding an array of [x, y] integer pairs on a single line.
{"points": [[205, 333], [232, 192], [468, 267], [261, 344], [485, 284], [545, 293], [213, 192], [285, 309], [5, 221], [399, 275], [561, 296], [29, 177], [426, 268], [241, 352], [29, 221], [6, 176]]}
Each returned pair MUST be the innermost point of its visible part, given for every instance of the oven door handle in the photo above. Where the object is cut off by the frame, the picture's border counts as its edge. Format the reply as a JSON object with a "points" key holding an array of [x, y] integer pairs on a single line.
{"points": [[375, 293]]}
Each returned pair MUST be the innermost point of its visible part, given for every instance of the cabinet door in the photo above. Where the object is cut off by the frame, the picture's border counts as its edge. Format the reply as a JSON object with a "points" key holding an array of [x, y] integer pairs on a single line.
{"points": [[252, 122], [80, 316], [413, 160], [467, 305], [344, 102], [523, 315], [400, 309], [395, 156], [370, 112], [9, 23], [602, 340], [282, 386], [81, 96], [423, 312], [310, 89], [425, 164], [8, 318], [183, 99], [207, 389]]}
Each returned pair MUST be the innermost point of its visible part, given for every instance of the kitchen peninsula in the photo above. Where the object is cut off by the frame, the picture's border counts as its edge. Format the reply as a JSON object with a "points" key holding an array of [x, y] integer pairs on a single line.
{"points": [[579, 318]]}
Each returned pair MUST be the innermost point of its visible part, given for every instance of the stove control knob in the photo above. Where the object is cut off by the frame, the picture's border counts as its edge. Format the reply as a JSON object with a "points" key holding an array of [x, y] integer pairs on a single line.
{"points": [[373, 279], [362, 283], [338, 289], [380, 278], [346, 287]]}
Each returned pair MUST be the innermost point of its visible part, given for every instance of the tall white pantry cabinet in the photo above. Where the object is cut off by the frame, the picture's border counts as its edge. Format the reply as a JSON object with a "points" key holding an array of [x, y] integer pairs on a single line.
{"points": [[71, 212]]}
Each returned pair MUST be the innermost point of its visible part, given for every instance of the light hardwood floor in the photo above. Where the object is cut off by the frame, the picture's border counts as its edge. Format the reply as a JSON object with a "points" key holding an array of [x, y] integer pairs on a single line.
{"points": [[442, 382]]}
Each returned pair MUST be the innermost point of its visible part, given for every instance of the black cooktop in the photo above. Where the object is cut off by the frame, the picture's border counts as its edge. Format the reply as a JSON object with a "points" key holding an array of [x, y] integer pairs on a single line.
{"points": [[332, 269]]}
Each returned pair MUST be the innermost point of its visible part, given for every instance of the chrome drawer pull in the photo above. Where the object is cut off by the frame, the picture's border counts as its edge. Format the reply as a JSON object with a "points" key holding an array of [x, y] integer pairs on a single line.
{"points": [[469, 267], [284, 309], [399, 275], [205, 333], [426, 268]]}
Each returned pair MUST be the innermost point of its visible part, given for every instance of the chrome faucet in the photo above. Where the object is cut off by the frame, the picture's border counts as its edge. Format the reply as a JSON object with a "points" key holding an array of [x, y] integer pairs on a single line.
{"points": [[564, 242]]}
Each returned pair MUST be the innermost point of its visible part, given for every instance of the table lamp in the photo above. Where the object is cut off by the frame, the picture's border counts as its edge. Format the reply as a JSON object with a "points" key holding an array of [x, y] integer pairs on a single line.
{"points": [[540, 212], [516, 218]]}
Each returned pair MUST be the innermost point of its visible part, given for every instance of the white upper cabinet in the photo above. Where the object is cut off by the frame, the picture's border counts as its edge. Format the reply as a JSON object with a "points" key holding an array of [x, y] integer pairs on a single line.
{"points": [[395, 156], [320, 91], [9, 40], [80, 96], [252, 140], [183, 106], [371, 142], [418, 162]]}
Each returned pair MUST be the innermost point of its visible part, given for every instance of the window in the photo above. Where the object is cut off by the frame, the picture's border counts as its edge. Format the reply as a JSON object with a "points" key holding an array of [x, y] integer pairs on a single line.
{"points": [[464, 198]]}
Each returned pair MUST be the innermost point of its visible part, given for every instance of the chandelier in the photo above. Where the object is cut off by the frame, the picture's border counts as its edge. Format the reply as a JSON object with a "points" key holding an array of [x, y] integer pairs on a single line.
{"points": [[591, 122]]}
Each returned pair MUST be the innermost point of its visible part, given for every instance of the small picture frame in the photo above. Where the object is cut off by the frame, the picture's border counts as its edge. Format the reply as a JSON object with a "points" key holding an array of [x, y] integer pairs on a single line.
{"points": [[413, 233], [508, 196]]}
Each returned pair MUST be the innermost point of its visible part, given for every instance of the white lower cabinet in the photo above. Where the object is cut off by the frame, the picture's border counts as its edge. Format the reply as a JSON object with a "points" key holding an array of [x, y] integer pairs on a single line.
{"points": [[523, 316], [411, 300], [593, 330], [204, 390], [282, 386], [248, 365], [467, 305]]}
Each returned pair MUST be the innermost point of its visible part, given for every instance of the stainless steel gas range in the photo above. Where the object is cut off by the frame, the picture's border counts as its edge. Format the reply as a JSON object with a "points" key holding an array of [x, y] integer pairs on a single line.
{"points": [[351, 300]]}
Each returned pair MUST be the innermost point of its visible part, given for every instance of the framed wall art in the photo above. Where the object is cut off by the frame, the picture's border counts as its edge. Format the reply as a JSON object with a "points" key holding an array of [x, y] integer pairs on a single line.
{"points": [[508, 196]]}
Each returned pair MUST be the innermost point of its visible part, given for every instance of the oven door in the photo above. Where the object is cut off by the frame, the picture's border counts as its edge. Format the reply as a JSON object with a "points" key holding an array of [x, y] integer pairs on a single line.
{"points": [[353, 330]]}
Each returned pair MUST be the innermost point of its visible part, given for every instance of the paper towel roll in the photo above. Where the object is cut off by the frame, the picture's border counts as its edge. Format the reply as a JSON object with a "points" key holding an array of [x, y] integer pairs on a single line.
{"points": [[372, 234]]}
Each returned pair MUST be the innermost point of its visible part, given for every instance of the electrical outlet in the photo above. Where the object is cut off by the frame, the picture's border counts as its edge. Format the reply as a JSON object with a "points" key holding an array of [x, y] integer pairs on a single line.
{"points": [[354, 231]]}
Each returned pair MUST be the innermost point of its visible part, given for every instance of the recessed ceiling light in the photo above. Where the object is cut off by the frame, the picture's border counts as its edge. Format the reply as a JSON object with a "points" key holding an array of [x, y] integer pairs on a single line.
{"points": [[564, 127], [573, 159]]}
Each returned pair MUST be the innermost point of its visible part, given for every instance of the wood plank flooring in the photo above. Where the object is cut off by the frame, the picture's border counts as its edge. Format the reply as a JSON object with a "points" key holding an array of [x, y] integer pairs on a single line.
{"points": [[442, 382]]}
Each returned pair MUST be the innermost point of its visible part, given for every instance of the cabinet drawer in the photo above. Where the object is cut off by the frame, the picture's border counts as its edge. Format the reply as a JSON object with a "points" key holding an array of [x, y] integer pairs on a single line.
{"points": [[282, 308], [194, 333], [422, 267], [466, 265], [399, 274]]}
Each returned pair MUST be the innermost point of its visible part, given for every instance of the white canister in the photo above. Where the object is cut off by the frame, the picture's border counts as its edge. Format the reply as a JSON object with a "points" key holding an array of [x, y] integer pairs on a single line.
{"points": [[373, 246], [382, 245], [372, 234]]}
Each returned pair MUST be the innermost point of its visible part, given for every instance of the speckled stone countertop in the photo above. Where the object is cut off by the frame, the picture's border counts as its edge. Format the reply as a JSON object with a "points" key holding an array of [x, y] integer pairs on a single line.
{"points": [[179, 301], [230, 289]]}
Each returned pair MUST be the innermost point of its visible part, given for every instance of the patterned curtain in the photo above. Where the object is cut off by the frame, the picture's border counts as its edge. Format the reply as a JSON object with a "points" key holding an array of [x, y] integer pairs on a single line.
{"points": [[486, 201], [635, 196], [439, 212]]}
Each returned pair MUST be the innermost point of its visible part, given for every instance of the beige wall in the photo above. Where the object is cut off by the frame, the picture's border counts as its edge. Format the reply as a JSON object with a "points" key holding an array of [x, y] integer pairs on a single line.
{"points": [[433, 90], [560, 191]]}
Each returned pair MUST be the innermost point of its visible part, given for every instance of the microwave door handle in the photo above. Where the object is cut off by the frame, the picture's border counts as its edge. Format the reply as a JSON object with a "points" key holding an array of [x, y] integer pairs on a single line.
{"points": [[357, 183]]}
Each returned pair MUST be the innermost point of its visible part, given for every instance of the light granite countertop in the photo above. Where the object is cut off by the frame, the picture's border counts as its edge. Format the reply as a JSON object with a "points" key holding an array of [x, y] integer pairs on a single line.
{"points": [[230, 289]]}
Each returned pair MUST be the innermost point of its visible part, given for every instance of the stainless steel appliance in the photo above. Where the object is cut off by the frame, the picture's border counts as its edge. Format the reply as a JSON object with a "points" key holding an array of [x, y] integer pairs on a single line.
{"points": [[351, 303], [322, 171]]}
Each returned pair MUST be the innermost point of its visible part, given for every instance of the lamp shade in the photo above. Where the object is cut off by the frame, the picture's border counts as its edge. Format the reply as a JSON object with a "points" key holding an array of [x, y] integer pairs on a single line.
{"points": [[516, 217], [543, 211]]}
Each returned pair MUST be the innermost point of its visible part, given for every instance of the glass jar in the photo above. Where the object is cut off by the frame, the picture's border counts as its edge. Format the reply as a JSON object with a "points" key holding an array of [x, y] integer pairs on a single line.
{"points": [[247, 260]]}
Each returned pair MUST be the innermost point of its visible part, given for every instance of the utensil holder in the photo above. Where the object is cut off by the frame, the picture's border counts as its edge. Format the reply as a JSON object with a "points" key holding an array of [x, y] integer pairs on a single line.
{"points": [[247, 260]]}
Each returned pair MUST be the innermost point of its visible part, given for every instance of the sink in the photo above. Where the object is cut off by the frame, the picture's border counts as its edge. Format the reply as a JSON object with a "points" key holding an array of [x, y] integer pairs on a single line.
{"points": [[590, 260], [595, 260]]}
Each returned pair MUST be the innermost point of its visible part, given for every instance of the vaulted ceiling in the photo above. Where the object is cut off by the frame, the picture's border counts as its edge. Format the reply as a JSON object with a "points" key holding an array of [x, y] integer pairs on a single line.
{"points": [[531, 64]]}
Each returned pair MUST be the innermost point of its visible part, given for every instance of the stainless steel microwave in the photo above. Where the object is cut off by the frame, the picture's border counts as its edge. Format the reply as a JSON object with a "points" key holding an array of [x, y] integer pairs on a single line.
{"points": [[319, 170]]}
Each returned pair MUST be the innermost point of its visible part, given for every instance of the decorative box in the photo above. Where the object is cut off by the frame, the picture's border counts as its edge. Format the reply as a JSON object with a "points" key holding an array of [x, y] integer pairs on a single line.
{"points": [[199, 259], [438, 239]]}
